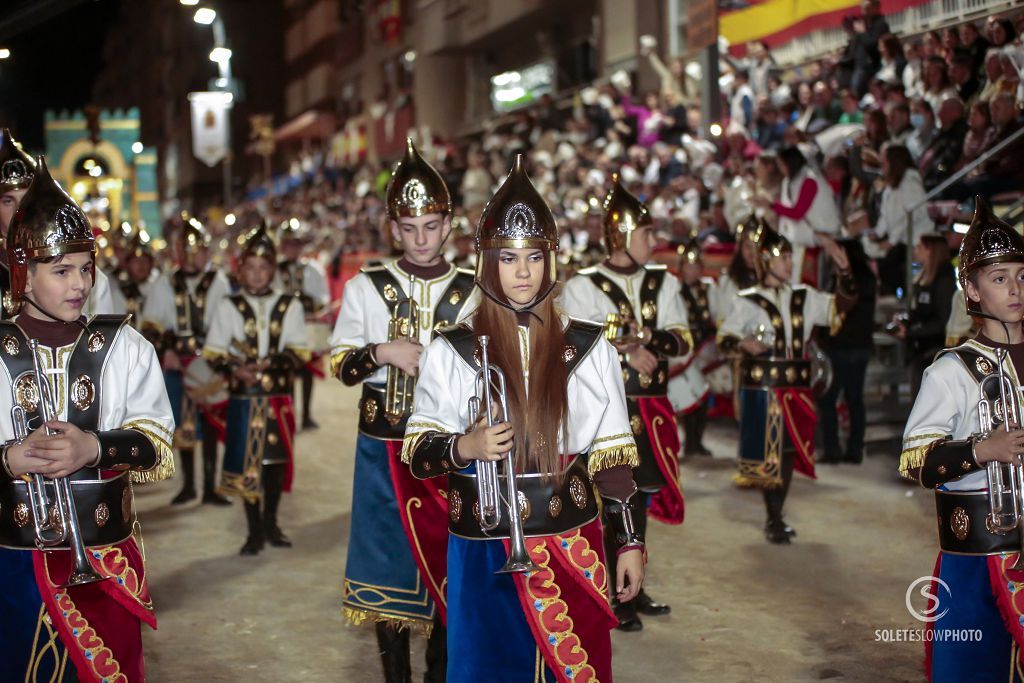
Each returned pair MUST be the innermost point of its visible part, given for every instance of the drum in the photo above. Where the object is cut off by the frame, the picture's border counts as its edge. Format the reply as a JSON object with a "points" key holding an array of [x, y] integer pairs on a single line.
{"points": [[203, 385], [319, 336], [821, 370]]}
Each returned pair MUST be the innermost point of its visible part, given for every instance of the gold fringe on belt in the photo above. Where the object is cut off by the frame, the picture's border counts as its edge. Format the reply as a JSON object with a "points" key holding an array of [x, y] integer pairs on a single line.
{"points": [[356, 617]]}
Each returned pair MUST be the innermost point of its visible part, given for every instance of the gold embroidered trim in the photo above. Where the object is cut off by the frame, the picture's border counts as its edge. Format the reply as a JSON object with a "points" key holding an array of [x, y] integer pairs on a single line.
{"points": [[357, 617], [684, 334], [305, 355], [164, 467], [613, 437], [605, 458], [411, 442], [913, 458], [923, 437]]}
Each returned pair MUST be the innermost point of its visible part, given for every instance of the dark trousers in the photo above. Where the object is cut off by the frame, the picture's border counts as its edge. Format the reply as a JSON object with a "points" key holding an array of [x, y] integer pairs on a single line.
{"points": [[849, 366], [775, 498]]}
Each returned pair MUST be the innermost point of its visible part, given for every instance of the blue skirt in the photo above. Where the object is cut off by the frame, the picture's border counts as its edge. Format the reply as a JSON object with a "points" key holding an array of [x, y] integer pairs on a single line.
{"points": [[382, 580], [488, 637], [30, 649]]}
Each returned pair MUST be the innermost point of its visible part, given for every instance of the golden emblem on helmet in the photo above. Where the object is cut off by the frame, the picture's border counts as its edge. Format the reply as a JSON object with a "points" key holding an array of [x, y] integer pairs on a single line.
{"points": [[989, 240], [26, 394], [960, 523], [83, 392], [454, 505], [102, 515], [11, 345], [623, 215], [96, 341], [578, 492], [416, 188]]}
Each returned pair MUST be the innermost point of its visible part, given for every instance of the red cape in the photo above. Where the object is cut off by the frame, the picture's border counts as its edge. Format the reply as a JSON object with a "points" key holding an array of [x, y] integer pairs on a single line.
{"points": [[667, 505]]}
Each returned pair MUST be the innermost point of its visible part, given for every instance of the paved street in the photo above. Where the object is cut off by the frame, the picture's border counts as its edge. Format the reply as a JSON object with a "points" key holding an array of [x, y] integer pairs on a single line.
{"points": [[743, 610]]}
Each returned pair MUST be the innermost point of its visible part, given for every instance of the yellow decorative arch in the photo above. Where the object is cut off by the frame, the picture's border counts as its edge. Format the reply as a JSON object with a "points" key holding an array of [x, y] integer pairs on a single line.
{"points": [[104, 149]]}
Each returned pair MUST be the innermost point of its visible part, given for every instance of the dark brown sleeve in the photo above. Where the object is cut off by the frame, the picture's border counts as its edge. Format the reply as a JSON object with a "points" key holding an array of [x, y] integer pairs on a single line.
{"points": [[433, 455], [615, 482], [357, 366], [124, 449], [845, 291], [667, 343], [947, 461]]}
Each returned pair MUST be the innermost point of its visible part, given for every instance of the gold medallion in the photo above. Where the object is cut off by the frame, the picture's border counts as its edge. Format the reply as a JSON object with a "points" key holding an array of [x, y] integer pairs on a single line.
{"points": [[370, 409], [249, 328], [524, 506], [606, 286], [960, 523], [390, 293], [648, 310], [266, 382], [455, 297], [555, 506], [21, 514], [984, 365], [102, 514], [96, 341], [454, 505], [275, 327], [756, 373], [636, 424], [578, 492], [11, 345], [83, 392], [26, 394], [569, 353]]}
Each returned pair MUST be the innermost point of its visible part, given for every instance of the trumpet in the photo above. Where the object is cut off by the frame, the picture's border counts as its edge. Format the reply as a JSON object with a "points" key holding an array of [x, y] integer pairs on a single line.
{"points": [[621, 329], [62, 527], [490, 378], [1005, 481], [400, 385]]}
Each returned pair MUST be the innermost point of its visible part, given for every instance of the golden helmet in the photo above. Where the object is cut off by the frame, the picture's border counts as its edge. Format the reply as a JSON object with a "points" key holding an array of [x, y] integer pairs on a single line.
{"points": [[260, 242], [623, 214], [16, 167], [48, 223], [769, 243], [139, 245], [416, 188], [290, 229], [689, 252], [193, 236], [988, 240], [517, 217]]}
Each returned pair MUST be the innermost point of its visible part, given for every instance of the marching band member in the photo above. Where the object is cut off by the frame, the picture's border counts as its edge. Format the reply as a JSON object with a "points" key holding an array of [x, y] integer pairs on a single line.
{"points": [[71, 614], [306, 280], [741, 273], [258, 339], [771, 323], [395, 571], [570, 431], [16, 172], [947, 446], [136, 276], [176, 315], [627, 291], [688, 387]]}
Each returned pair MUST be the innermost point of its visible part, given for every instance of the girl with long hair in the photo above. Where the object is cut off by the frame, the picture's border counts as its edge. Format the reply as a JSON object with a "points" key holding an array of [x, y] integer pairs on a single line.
{"points": [[570, 438]]}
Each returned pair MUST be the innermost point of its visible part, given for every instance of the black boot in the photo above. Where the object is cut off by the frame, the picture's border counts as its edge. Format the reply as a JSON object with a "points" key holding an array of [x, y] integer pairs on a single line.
{"points": [[700, 423], [188, 472], [645, 605], [273, 486], [210, 495], [775, 529], [437, 653], [307, 399], [254, 542], [625, 612], [394, 653]]}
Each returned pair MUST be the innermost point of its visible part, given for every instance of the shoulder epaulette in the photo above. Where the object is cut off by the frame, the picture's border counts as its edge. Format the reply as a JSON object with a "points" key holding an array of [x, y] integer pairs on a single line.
{"points": [[655, 266]]}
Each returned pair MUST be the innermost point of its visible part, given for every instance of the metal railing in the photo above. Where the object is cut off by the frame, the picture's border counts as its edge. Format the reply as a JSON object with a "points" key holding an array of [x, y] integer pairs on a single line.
{"points": [[942, 187]]}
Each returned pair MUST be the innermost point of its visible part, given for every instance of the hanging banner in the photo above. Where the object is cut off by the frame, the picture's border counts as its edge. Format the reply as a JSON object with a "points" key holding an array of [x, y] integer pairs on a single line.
{"points": [[210, 125]]}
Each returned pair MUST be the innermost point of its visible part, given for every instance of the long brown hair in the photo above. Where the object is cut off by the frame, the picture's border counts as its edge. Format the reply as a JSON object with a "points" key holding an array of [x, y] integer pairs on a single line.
{"points": [[542, 415]]}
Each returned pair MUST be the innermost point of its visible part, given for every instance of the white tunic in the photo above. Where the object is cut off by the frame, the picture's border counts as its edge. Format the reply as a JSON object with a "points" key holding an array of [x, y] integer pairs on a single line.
{"points": [[947, 405], [581, 298], [313, 278], [959, 323], [229, 326], [132, 394], [748, 319], [161, 311], [598, 421], [100, 301], [364, 315]]}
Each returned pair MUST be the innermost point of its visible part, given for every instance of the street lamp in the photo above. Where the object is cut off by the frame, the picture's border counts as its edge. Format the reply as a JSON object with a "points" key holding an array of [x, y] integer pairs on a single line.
{"points": [[5, 53], [220, 54], [204, 16], [189, 3]]}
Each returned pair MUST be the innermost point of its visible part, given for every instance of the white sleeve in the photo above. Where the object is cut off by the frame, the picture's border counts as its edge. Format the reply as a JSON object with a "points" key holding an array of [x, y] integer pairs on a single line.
{"points": [[219, 290], [221, 332], [672, 314], [739, 322], [611, 443], [159, 309], [314, 283], [441, 401], [100, 301], [820, 310], [578, 299], [350, 327], [293, 331], [135, 397], [937, 412]]}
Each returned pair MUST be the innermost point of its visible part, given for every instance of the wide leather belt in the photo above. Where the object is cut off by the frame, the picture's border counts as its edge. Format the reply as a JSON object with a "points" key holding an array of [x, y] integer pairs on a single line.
{"points": [[774, 373], [962, 525], [270, 382], [638, 384], [545, 507], [371, 415], [105, 508]]}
